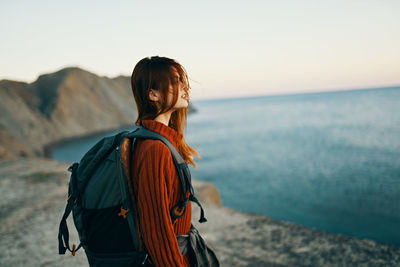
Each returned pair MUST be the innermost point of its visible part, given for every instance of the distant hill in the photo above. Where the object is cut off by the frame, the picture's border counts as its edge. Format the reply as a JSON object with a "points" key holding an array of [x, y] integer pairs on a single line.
{"points": [[66, 103]]}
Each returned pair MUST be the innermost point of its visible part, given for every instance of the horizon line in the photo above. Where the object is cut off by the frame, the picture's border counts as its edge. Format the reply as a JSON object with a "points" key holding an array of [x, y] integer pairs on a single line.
{"points": [[317, 91]]}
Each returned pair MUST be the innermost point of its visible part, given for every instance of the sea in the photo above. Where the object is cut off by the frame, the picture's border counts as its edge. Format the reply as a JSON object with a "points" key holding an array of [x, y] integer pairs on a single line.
{"points": [[327, 160]]}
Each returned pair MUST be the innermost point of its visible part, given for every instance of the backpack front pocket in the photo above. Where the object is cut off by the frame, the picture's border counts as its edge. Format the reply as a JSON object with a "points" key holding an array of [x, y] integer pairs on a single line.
{"points": [[107, 230]]}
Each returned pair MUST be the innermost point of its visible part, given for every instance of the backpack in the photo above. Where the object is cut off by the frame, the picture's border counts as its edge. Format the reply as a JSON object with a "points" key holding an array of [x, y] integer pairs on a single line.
{"points": [[102, 205]]}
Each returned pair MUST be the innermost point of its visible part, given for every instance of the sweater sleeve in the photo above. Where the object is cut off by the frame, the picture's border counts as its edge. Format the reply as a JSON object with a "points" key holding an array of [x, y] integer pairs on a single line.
{"points": [[153, 206]]}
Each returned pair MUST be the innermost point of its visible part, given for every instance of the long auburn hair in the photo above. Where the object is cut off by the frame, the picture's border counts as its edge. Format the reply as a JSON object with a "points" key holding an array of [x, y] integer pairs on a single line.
{"points": [[157, 73]]}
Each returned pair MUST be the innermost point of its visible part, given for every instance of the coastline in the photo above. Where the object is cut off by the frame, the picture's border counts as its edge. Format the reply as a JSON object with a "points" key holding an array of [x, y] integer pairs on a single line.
{"points": [[49, 146]]}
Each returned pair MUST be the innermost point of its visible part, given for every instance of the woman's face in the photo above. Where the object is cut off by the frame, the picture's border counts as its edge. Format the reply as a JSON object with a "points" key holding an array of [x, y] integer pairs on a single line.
{"points": [[183, 98]]}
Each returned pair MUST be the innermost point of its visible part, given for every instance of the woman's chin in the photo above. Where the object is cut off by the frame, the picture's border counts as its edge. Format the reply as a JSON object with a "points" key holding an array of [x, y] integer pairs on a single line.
{"points": [[185, 104]]}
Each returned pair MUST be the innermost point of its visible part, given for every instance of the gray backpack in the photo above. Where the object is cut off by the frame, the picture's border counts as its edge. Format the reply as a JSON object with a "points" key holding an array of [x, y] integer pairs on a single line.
{"points": [[104, 210]]}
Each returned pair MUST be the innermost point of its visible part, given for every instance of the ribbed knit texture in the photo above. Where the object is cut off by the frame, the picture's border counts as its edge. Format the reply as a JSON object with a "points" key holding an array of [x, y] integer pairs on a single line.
{"points": [[157, 188]]}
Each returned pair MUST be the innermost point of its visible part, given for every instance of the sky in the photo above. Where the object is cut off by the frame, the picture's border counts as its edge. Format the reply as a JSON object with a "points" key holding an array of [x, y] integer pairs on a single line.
{"points": [[229, 48]]}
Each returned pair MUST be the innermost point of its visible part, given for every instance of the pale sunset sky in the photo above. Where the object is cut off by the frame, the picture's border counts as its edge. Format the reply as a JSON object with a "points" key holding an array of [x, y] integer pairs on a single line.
{"points": [[229, 48]]}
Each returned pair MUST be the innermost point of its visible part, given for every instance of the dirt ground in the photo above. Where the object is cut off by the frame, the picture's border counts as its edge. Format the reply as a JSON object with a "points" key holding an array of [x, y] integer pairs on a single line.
{"points": [[33, 196]]}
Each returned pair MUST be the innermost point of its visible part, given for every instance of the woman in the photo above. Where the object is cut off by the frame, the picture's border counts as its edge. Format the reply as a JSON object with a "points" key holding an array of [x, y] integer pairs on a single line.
{"points": [[161, 89]]}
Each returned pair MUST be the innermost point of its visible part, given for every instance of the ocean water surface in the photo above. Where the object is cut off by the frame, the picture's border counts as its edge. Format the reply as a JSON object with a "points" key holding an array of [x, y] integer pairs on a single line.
{"points": [[329, 160]]}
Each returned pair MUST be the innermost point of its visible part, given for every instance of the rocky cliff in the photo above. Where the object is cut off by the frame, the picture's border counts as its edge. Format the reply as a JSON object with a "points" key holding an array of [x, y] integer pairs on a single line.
{"points": [[62, 104]]}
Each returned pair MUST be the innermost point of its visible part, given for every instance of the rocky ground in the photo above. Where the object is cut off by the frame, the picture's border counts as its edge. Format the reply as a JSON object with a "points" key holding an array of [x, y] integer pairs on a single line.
{"points": [[32, 200]]}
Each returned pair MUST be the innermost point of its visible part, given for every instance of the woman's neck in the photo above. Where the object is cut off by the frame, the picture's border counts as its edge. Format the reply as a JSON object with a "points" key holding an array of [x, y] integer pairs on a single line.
{"points": [[164, 118]]}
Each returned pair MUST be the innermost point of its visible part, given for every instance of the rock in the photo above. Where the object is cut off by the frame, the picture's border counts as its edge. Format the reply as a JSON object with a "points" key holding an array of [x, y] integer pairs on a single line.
{"points": [[207, 192], [62, 104]]}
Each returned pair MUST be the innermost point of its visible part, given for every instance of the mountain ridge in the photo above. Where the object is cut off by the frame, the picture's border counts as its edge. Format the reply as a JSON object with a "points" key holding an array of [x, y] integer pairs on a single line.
{"points": [[65, 103]]}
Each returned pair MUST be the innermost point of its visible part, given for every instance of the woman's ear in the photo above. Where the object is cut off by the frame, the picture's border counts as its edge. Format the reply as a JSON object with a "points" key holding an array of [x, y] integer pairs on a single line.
{"points": [[154, 95]]}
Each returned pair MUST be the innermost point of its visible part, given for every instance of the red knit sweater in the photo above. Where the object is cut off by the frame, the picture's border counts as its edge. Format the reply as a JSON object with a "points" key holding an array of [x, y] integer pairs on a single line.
{"points": [[158, 189]]}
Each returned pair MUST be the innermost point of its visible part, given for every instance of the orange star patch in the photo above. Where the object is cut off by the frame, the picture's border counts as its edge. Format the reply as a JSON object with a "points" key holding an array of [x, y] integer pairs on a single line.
{"points": [[123, 212]]}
